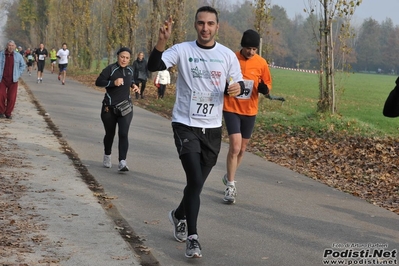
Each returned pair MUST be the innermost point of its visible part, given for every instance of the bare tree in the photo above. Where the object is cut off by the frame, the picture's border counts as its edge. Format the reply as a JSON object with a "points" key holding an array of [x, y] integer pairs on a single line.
{"points": [[263, 22], [330, 11]]}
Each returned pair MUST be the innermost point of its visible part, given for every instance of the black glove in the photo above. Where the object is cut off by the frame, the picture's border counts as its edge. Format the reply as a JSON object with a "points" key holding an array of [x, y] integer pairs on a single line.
{"points": [[241, 85], [225, 89], [262, 88]]}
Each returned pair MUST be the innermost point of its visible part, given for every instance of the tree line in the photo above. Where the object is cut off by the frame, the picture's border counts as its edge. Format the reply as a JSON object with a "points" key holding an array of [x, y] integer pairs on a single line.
{"points": [[94, 29]]}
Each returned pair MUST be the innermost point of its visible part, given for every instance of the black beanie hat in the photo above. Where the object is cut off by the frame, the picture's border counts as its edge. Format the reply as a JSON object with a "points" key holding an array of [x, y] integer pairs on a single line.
{"points": [[124, 49], [250, 38]]}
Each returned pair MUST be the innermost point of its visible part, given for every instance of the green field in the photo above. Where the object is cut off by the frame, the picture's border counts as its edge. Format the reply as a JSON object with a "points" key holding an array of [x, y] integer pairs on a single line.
{"points": [[360, 100]]}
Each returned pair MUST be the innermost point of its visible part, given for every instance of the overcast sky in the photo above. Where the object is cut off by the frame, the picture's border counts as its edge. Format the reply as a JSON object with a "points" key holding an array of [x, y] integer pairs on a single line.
{"points": [[377, 9]]}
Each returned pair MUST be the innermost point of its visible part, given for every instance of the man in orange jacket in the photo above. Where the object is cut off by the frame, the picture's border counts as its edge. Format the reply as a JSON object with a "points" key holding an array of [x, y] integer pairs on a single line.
{"points": [[240, 112]]}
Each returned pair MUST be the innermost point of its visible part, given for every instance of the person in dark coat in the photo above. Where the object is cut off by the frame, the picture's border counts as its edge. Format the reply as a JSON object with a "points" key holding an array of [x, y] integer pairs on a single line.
{"points": [[140, 73], [391, 106]]}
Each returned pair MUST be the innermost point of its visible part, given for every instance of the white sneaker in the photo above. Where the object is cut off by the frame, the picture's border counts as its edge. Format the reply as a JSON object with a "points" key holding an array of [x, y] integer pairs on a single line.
{"points": [[122, 167], [225, 181], [230, 194], [193, 247], [179, 227], [107, 161]]}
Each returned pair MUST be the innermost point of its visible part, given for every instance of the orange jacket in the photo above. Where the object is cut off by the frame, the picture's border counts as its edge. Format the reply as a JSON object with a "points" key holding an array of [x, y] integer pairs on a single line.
{"points": [[253, 70]]}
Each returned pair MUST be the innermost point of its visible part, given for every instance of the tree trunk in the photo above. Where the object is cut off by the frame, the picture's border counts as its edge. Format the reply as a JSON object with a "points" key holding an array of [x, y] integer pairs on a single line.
{"points": [[327, 92]]}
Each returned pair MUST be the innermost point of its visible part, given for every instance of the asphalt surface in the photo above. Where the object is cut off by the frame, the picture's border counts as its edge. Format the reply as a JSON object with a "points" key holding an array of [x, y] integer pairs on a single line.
{"points": [[58, 219], [280, 217]]}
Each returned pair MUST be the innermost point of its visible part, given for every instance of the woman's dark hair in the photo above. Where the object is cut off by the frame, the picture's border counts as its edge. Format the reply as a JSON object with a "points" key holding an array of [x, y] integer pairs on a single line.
{"points": [[207, 9], [124, 49]]}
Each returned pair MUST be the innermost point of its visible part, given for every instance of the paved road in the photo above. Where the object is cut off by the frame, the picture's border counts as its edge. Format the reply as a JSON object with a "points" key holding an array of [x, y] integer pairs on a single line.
{"points": [[280, 218]]}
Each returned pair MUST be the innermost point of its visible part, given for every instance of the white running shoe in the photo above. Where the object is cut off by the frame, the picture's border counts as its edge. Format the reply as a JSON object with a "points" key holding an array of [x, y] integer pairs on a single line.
{"points": [[230, 194], [179, 227], [107, 161], [122, 167], [193, 247], [225, 181]]}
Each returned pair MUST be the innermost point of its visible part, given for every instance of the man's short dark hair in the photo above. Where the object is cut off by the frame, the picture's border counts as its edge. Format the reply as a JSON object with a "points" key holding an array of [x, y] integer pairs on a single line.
{"points": [[207, 9]]}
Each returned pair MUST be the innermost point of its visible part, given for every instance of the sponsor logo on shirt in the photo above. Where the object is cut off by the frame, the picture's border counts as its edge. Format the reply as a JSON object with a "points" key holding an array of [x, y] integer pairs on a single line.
{"points": [[216, 61], [205, 74], [196, 60]]}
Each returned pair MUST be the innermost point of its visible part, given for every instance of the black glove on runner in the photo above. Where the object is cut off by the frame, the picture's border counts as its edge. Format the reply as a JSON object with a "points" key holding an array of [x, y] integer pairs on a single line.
{"points": [[262, 88]]}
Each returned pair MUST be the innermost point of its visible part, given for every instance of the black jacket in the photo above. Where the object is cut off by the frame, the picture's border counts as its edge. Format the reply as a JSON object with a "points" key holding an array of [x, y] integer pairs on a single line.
{"points": [[391, 106], [140, 70], [115, 94]]}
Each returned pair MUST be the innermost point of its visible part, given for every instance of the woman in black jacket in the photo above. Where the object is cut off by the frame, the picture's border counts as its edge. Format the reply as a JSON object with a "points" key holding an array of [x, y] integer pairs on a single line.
{"points": [[117, 107], [140, 73]]}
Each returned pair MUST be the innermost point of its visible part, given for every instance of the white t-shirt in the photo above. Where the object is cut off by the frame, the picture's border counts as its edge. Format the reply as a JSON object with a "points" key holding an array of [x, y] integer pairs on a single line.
{"points": [[202, 77], [63, 54]]}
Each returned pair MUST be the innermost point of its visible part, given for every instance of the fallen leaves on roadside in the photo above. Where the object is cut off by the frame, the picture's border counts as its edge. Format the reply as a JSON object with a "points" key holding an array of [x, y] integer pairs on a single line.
{"points": [[364, 167], [143, 248]]}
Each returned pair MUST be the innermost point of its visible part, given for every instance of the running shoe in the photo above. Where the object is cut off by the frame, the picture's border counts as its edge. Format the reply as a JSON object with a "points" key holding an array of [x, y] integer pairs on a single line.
{"points": [[179, 227], [122, 167], [224, 179], [193, 247], [230, 194], [107, 161]]}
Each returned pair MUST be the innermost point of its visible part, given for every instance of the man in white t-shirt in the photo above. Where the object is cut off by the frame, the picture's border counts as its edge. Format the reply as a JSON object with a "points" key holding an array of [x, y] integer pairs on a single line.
{"points": [[63, 56], [206, 71]]}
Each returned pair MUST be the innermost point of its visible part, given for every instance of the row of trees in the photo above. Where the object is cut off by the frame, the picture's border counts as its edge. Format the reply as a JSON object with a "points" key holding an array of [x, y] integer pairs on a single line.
{"points": [[95, 28], [322, 38], [369, 46]]}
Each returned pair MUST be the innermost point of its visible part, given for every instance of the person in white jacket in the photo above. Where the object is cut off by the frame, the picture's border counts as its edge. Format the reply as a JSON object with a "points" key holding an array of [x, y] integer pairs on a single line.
{"points": [[163, 79]]}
